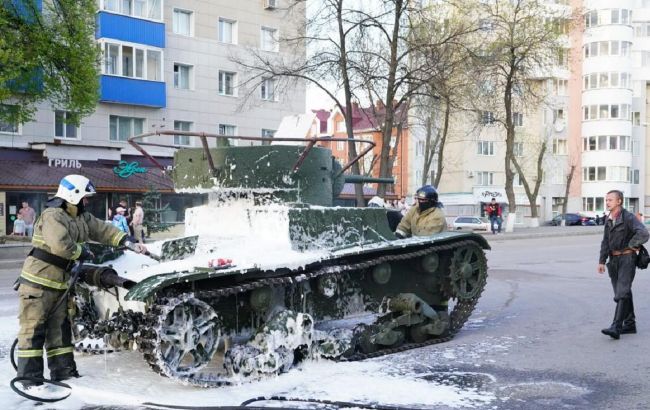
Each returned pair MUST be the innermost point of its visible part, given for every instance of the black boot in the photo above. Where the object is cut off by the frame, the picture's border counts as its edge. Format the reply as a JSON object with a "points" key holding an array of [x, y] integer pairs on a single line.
{"points": [[614, 331], [629, 323]]}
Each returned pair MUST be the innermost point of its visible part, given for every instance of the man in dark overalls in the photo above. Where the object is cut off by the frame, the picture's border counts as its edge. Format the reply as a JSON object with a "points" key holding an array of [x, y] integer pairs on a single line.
{"points": [[622, 237]]}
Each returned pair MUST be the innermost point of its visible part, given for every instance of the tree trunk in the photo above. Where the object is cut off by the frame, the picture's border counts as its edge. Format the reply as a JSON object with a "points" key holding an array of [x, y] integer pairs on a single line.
{"points": [[442, 142], [565, 202]]}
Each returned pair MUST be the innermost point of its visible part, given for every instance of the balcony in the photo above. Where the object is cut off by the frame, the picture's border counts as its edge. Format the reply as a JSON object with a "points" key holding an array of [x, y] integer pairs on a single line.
{"points": [[132, 91], [131, 29]]}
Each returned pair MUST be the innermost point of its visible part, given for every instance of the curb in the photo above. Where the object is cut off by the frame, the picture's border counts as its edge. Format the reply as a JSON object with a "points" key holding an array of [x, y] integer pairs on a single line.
{"points": [[550, 234]]}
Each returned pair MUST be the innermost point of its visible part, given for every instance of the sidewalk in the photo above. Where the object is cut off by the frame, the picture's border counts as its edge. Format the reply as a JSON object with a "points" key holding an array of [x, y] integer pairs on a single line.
{"points": [[544, 232]]}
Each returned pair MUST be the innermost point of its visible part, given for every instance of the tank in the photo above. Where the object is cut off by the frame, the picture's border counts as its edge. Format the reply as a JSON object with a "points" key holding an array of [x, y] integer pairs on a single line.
{"points": [[270, 273]]}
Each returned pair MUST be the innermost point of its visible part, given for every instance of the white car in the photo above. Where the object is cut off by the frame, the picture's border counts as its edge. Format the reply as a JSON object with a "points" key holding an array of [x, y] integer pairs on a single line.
{"points": [[470, 223]]}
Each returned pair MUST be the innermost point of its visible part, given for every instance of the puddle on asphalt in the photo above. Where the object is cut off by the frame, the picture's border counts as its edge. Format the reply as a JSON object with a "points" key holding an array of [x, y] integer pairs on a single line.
{"points": [[541, 389], [462, 380]]}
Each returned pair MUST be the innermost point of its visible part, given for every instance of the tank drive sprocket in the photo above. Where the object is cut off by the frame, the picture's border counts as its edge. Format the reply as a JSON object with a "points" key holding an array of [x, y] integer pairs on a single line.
{"points": [[180, 336]]}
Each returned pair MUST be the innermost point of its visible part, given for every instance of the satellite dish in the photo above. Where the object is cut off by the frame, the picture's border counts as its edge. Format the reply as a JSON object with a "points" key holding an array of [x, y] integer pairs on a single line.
{"points": [[559, 125]]}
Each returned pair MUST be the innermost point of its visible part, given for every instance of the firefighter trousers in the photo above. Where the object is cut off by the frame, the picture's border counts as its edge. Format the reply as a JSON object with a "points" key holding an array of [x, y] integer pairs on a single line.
{"points": [[39, 332]]}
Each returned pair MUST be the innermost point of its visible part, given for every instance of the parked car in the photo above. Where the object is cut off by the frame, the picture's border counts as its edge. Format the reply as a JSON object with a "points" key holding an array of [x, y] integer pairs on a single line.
{"points": [[470, 223], [572, 219]]}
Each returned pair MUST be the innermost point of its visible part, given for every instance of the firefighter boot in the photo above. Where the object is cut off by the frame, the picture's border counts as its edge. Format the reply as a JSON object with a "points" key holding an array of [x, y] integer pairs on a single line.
{"points": [[629, 323], [62, 365], [614, 331]]}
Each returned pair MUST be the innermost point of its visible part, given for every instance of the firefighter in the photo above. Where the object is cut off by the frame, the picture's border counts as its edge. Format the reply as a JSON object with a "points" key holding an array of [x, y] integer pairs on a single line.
{"points": [[426, 218], [58, 241]]}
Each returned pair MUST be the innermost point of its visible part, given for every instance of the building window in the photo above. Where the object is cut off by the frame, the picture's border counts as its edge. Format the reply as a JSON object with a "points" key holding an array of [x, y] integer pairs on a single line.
{"points": [[227, 83], [9, 127], [62, 128], [590, 174], [487, 117], [518, 119], [518, 149], [591, 18], [419, 148], [267, 89], [182, 22], [269, 40], [560, 87], [593, 204], [605, 111], [133, 62], [559, 147], [225, 129], [267, 133], [227, 31], [340, 126], [340, 145], [485, 148], [148, 9], [635, 176], [484, 178], [121, 128], [183, 76], [182, 126]]}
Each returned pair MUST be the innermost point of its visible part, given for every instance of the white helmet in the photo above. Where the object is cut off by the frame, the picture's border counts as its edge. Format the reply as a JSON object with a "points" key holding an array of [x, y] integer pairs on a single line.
{"points": [[73, 188]]}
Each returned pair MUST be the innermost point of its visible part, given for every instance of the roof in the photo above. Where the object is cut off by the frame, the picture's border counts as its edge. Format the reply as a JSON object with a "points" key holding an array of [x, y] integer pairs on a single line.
{"points": [[39, 175], [295, 126], [348, 190], [323, 116], [372, 117]]}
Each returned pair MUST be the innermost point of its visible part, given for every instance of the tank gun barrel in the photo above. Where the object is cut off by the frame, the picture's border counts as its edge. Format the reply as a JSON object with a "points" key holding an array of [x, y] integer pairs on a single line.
{"points": [[361, 179]]}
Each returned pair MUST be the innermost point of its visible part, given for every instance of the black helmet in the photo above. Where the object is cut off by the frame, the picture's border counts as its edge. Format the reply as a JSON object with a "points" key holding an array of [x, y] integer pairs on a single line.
{"points": [[427, 193]]}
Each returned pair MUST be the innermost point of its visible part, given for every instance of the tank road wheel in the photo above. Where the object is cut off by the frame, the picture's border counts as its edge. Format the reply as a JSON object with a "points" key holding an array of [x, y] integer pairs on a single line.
{"points": [[184, 337], [468, 272]]}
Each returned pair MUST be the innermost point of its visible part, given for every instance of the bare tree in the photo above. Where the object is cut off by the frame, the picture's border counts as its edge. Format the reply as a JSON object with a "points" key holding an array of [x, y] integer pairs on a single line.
{"points": [[520, 47], [537, 177], [569, 179]]}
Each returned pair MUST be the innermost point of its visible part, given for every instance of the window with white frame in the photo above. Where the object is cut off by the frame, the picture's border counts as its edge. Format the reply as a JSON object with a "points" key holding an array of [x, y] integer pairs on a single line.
{"points": [[590, 174], [267, 89], [592, 204], [226, 129], [182, 126], [558, 115], [148, 9], [636, 118], [182, 22], [121, 128], [560, 87], [62, 127], [133, 62], [517, 180], [340, 145], [269, 40], [266, 133], [227, 31], [484, 178], [518, 119], [518, 149], [485, 147], [606, 111], [183, 76], [560, 147], [9, 127], [227, 83], [487, 117], [340, 126], [635, 176]]}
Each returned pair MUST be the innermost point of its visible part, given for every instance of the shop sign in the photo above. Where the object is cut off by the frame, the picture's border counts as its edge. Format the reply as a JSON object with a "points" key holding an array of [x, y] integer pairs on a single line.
{"points": [[486, 195], [126, 169], [63, 163]]}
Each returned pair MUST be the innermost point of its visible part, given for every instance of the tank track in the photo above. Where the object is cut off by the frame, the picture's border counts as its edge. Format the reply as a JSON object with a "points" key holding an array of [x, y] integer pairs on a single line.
{"points": [[458, 316]]}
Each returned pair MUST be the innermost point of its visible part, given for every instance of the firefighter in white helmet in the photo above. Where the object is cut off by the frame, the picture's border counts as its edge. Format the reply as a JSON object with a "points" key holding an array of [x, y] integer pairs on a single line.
{"points": [[58, 241]]}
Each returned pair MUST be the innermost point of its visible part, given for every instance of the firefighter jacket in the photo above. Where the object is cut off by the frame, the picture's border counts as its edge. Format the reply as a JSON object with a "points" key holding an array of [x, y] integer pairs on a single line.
{"points": [[416, 223], [62, 232]]}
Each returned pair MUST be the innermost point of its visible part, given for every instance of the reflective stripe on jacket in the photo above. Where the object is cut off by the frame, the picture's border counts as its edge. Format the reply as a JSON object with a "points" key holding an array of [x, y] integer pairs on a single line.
{"points": [[62, 234]]}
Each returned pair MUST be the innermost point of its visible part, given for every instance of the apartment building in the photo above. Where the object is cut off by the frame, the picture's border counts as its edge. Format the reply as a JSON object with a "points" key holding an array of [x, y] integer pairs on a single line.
{"points": [[594, 121], [166, 65]]}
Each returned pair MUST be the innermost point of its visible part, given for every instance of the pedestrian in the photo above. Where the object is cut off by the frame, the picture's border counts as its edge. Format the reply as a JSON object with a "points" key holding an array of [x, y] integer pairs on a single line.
{"points": [[623, 234], [119, 220], [493, 210], [597, 219], [137, 221], [128, 214], [19, 226], [57, 243], [29, 216]]}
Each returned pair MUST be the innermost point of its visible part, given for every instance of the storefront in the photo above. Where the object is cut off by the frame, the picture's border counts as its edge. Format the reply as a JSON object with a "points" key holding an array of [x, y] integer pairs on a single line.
{"points": [[33, 176]]}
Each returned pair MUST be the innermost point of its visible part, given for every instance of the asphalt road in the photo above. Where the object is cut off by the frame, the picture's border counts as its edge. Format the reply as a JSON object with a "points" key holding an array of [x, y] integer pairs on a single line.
{"points": [[534, 340]]}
